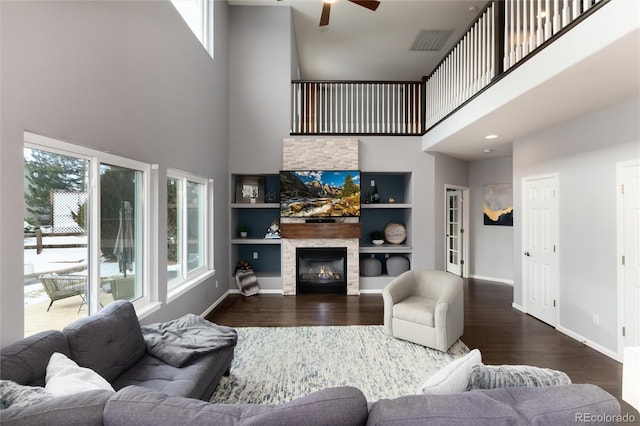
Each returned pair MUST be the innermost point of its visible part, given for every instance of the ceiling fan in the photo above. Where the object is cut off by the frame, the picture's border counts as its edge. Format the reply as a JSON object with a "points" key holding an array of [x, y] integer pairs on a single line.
{"points": [[326, 8]]}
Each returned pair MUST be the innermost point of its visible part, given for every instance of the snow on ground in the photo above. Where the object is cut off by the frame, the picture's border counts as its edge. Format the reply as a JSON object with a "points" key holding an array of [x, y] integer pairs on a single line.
{"points": [[57, 260]]}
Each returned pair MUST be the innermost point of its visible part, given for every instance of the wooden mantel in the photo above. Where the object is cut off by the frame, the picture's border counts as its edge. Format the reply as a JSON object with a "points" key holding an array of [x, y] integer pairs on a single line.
{"points": [[320, 230]]}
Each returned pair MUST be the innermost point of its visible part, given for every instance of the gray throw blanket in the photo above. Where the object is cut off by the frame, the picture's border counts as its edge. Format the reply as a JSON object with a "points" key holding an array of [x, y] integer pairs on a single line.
{"points": [[179, 341]]}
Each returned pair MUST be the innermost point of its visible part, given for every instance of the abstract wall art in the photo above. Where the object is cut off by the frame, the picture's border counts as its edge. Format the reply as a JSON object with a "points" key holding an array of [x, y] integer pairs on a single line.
{"points": [[498, 204]]}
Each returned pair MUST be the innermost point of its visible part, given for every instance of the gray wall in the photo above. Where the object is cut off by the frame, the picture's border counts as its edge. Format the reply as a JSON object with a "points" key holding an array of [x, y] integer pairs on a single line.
{"points": [[259, 87], [491, 251], [124, 77], [584, 153]]}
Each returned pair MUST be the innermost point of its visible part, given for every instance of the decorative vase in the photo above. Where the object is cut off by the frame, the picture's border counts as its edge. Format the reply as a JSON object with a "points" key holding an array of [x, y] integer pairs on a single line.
{"points": [[243, 234], [378, 242]]}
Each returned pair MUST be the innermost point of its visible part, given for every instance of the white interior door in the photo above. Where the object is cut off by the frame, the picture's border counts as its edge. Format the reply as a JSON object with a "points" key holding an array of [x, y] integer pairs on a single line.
{"points": [[540, 247], [454, 231], [629, 250]]}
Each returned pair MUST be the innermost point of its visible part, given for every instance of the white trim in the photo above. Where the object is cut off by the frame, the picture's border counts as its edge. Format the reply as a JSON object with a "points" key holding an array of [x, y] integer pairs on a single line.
{"points": [[523, 181], [466, 202], [204, 19], [498, 280], [371, 291], [518, 307], [620, 251], [95, 159], [261, 291], [215, 304], [189, 284], [590, 343], [148, 309], [190, 280]]}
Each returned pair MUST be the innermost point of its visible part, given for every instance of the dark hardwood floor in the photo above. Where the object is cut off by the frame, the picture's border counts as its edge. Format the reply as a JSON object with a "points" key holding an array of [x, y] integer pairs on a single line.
{"points": [[503, 334]]}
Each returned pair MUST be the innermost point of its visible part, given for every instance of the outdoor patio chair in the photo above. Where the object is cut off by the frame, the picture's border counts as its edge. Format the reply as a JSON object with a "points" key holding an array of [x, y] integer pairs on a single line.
{"points": [[63, 286]]}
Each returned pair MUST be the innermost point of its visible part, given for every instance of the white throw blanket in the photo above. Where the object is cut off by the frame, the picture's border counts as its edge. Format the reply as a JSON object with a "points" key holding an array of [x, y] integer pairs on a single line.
{"points": [[179, 341]]}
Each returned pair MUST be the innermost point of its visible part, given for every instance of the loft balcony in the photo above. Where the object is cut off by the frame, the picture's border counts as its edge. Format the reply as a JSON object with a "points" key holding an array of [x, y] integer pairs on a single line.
{"points": [[505, 36], [357, 107]]}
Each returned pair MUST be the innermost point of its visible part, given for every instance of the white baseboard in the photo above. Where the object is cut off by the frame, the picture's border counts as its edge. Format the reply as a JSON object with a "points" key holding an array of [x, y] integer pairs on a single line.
{"points": [[216, 303], [371, 291], [589, 343], [579, 338], [262, 291], [498, 280], [518, 307], [234, 291]]}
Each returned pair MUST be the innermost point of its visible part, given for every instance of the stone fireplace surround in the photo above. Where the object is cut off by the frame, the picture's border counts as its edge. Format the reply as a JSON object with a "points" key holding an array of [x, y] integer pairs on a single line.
{"points": [[319, 154], [289, 246]]}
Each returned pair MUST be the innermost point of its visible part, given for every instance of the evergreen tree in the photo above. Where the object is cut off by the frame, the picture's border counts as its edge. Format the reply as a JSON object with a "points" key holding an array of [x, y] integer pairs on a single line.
{"points": [[349, 188], [46, 172]]}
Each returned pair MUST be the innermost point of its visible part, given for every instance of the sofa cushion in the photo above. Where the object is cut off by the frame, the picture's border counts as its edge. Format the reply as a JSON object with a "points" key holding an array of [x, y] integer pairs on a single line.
{"points": [[558, 405], [108, 342], [495, 376], [416, 309], [555, 405], [81, 409], [65, 377], [25, 362], [13, 394], [195, 380], [453, 377], [332, 407], [460, 409]]}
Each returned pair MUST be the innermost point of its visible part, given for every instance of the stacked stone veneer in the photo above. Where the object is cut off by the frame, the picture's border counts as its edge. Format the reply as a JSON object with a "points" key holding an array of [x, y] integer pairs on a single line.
{"points": [[319, 154]]}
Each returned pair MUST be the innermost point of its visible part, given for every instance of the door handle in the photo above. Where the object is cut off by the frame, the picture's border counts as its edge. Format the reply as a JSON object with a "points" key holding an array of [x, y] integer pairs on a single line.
{"points": [[526, 253]]}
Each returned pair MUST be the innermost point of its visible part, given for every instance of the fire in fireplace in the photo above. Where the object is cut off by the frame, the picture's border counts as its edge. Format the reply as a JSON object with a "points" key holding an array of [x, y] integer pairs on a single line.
{"points": [[321, 270]]}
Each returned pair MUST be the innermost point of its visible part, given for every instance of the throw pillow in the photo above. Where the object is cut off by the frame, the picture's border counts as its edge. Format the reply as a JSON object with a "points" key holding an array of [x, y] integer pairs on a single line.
{"points": [[65, 377], [496, 376], [453, 377], [247, 282], [13, 394]]}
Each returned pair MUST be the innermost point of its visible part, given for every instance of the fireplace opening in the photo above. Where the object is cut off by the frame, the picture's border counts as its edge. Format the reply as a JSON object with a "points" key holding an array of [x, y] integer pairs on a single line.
{"points": [[321, 270]]}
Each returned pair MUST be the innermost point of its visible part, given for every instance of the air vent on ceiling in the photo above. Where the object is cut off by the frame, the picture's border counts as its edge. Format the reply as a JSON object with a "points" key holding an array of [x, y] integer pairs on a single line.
{"points": [[430, 40]]}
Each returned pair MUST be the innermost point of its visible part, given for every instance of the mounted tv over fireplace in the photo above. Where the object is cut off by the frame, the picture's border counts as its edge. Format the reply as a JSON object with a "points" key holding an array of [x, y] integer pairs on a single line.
{"points": [[319, 193]]}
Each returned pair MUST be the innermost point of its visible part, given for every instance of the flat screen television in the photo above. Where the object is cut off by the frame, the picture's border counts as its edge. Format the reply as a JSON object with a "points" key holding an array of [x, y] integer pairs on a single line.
{"points": [[319, 193]]}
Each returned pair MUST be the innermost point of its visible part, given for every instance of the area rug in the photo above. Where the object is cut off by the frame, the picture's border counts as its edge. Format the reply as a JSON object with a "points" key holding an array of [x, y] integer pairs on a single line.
{"points": [[273, 365]]}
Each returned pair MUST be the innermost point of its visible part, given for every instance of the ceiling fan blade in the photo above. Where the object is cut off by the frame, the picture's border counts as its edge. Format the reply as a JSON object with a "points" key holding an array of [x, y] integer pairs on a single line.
{"points": [[369, 4], [324, 18]]}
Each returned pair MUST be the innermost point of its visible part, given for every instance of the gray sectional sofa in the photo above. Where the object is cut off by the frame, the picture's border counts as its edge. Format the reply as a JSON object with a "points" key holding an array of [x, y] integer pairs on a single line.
{"points": [[110, 343], [151, 392]]}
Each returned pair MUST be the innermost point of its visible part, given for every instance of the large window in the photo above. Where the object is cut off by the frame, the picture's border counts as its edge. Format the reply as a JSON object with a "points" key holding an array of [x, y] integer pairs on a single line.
{"points": [[198, 14], [189, 247], [85, 230]]}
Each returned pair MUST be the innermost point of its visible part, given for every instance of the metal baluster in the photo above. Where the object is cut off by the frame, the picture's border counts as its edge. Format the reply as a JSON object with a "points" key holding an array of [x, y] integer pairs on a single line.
{"points": [[517, 35]]}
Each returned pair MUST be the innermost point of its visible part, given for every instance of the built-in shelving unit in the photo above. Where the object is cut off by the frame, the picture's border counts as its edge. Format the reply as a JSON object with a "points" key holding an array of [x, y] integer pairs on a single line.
{"points": [[373, 217], [395, 206], [258, 217]]}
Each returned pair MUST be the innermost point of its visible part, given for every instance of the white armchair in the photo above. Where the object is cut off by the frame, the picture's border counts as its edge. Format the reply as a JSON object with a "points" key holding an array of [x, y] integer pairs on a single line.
{"points": [[425, 307]]}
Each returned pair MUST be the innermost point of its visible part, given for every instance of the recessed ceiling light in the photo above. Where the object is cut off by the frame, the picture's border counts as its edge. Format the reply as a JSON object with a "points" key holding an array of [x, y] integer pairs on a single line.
{"points": [[491, 137], [488, 151]]}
